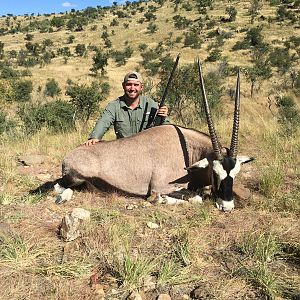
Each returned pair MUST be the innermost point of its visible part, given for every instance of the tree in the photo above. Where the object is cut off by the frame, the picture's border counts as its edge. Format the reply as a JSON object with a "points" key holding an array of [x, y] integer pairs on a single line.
{"points": [[52, 88], [80, 49], [100, 61], [257, 73], [22, 90], [232, 12], [152, 27], [85, 100], [254, 8]]}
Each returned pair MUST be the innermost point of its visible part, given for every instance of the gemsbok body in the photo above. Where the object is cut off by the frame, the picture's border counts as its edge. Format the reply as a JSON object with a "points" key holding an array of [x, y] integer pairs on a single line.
{"points": [[161, 159]]}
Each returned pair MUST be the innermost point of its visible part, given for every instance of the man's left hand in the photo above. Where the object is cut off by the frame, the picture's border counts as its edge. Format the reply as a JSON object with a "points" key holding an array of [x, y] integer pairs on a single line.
{"points": [[163, 111]]}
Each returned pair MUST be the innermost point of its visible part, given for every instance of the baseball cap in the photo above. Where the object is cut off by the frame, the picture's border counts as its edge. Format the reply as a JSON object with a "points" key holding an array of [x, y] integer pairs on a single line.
{"points": [[132, 75]]}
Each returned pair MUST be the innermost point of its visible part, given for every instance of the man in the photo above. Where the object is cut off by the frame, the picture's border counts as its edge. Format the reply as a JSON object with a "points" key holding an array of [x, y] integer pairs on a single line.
{"points": [[129, 114]]}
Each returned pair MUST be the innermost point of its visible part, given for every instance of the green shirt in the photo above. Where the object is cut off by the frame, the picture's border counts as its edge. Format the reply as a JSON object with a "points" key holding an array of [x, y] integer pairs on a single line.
{"points": [[126, 121]]}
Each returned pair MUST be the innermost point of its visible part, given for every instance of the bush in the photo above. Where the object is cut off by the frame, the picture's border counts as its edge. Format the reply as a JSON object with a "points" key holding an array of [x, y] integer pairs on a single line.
{"points": [[289, 116], [6, 126], [184, 96], [52, 88], [22, 90], [80, 49], [85, 99], [192, 40], [57, 116]]}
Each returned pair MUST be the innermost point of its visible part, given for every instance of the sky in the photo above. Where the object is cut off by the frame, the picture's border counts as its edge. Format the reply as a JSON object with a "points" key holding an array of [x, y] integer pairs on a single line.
{"points": [[21, 7]]}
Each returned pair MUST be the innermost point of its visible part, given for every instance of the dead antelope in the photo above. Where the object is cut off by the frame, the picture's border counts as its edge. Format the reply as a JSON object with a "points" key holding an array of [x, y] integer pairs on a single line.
{"points": [[161, 159]]}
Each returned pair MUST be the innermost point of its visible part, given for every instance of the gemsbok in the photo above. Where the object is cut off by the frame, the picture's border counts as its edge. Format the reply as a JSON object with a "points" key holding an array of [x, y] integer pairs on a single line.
{"points": [[161, 159]]}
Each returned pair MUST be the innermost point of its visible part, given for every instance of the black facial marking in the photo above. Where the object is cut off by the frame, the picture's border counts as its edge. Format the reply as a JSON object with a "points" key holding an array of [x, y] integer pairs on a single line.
{"points": [[224, 190]]}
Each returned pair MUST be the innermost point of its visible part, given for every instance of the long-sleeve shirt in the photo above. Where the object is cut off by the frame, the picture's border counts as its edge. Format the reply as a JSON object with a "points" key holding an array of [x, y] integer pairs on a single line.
{"points": [[126, 121]]}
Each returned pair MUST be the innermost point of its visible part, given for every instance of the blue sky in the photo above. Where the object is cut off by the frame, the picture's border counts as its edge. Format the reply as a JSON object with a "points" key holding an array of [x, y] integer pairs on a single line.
{"points": [[21, 7]]}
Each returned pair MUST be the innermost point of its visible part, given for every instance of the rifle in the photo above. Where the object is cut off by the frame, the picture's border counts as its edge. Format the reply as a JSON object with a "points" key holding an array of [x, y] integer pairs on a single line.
{"points": [[153, 115]]}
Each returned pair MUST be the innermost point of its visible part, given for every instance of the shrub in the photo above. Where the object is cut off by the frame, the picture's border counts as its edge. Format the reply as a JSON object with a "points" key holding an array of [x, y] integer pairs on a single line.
{"points": [[8, 73], [6, 126], [85, 99], [80, 49], [184, 97], [22, 90], [52, 88], [152, 27], [214, 55], [57, 116], [100, 61], [192, 40], [289, 116]]}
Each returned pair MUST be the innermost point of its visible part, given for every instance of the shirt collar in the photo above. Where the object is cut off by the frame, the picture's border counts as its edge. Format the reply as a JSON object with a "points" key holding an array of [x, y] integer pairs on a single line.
{"points": [[124, 105]]}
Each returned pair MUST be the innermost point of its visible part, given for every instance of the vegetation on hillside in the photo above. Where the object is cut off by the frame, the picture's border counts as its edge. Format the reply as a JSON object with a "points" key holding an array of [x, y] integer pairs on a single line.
{"points": [[57, 71]]}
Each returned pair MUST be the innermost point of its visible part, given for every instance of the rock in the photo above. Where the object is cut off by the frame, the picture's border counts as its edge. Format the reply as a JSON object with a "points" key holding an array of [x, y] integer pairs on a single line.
{"points": [[149, 283], [164, 297], [72, 222], [152, 225], [241, 192], [202, 292], [99, 291], [80, 213], [32, 159], [131, 206]]}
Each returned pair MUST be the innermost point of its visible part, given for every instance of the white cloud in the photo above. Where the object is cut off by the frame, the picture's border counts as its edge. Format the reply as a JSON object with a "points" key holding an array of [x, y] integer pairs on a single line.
{"points": [[68, 4]]}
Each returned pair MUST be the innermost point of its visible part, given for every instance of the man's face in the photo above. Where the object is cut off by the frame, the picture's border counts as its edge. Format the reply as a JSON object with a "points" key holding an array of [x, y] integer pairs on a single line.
{"points": [[132, 89]]}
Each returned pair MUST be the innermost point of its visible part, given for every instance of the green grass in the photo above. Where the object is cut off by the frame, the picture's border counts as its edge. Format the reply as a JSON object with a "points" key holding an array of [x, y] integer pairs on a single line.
{"points": [[18, 253], [131, 271]]}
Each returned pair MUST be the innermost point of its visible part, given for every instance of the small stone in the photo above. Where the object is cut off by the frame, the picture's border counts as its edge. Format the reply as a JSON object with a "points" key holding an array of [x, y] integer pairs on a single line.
{"points": [[99, 291], [71, 223], [149, 283], [164, 297], [152, 225], [241, 192], [131, 206], [81, 213]]}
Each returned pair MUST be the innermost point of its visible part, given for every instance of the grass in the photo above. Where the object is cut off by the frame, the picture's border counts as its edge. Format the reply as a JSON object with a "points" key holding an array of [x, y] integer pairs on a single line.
{"points": [[131, 271], [18, 253], [187, 247]]}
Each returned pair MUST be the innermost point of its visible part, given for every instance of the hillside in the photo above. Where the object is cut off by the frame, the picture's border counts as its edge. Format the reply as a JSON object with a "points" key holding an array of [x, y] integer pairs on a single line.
{"points": [[49, 63]]}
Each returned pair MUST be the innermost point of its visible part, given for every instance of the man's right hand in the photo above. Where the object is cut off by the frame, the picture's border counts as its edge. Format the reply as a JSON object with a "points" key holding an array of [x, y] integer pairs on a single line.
{"points": [[91, 142]]}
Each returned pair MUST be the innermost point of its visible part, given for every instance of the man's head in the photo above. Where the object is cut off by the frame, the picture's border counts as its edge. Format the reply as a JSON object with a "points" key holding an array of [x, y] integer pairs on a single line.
{"points": [[132, 75], [132, 85]]}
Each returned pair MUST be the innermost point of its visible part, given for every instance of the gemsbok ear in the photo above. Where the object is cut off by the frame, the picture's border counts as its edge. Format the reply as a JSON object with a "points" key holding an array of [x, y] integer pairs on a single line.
{"points": [[201, 164], [244, 159]]}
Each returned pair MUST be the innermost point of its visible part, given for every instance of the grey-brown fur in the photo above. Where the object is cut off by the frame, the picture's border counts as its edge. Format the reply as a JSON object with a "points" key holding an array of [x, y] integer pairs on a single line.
{"points": [[152, 160]]}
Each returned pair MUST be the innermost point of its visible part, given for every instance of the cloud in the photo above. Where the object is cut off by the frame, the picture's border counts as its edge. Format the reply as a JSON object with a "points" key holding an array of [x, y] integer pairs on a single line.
{"points": [[68, 4]]}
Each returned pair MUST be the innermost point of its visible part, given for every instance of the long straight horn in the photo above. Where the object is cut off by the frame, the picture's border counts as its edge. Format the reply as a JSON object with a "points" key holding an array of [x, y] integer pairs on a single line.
{"points": [[236, 120], [211, 129]]}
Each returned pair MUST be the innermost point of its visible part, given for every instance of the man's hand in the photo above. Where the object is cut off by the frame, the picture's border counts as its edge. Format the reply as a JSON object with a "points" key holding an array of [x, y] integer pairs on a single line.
{"points": [[91, 142], [163, 111]]}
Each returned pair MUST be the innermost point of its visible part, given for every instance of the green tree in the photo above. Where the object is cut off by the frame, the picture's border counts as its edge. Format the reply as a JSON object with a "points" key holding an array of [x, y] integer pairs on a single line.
{"points": [[52, 88], [232, 12], [22, 90], [80, 49], [100, 61], [85, 100]]}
